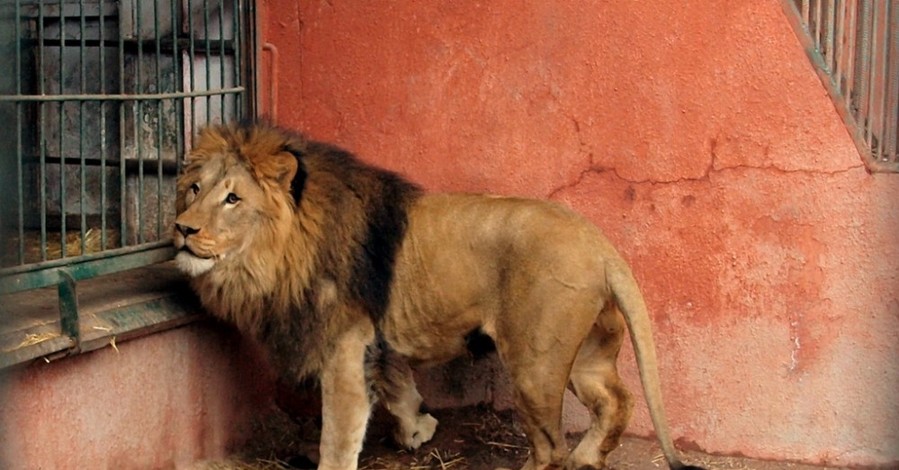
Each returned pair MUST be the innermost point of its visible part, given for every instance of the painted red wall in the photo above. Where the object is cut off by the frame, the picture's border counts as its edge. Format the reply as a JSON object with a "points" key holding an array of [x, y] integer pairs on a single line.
{"points": [[160, 401], [697, 135]]}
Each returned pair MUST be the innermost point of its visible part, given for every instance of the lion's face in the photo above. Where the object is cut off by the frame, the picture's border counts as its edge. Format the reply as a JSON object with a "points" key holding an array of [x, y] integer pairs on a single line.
{"points": [[228, 201]]}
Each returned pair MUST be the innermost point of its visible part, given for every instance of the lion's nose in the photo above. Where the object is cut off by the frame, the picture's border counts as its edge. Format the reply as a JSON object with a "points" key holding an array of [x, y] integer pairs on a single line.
{"points": [[186, 229]]}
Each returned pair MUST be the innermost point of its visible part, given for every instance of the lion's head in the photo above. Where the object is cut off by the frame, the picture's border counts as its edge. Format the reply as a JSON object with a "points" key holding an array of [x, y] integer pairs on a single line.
{"points": [[233, 199]]}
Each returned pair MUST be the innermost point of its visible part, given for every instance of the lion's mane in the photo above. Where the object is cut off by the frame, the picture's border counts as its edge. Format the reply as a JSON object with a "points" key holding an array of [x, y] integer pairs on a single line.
{"points": [[324, 254]]}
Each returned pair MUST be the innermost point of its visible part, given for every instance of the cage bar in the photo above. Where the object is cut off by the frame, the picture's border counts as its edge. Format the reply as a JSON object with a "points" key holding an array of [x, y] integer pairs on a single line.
{"points": [[81, 153], [854, 45], [893, 98], [20, 185], [63, 246]]}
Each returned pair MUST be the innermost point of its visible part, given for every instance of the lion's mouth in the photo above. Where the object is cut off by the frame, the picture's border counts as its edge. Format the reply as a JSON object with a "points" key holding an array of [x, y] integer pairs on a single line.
{"points": [[192, 264], [188, 250]]}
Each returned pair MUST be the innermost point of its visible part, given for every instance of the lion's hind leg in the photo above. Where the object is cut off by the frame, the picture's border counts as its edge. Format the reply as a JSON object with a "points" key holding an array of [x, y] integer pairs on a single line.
{"points": [[395, 387], [539, 382], [595, 381]]}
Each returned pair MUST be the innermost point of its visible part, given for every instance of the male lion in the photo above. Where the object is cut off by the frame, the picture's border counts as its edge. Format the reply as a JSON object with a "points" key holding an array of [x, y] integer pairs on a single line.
{"points": [[350, 274]]}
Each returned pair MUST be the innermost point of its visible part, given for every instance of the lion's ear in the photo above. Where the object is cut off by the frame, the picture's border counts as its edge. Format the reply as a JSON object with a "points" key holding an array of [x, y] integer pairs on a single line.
{"points": [[280, 167]]}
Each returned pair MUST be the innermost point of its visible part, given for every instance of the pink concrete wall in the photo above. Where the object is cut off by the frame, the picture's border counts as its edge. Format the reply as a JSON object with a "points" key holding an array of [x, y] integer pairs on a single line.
{"points": [[161, 401], [697, 135]]}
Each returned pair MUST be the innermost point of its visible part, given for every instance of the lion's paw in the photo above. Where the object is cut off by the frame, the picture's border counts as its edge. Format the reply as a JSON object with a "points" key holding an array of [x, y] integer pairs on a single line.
{"points": [[422, 431]]}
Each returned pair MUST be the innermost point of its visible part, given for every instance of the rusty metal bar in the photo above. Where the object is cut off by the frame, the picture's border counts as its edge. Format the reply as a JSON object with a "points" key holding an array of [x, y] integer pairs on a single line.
{"points": [[872, 83], [848, 89], [863, 45], [893, 100], [829, 56], [839, 46], [884, 82]]}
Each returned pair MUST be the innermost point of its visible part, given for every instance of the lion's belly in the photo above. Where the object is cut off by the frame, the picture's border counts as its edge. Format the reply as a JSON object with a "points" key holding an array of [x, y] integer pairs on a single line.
{"points": [[431, 336], [467, 260]]}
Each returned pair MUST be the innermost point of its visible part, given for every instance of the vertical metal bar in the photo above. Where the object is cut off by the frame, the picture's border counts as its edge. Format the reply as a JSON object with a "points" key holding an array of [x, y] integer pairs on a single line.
{"points": [[177, 77], [829, 55], [159, 104], [123, 180], [138, 115], [103, 136], [864, 67], [885, 81], [192, 59], [20, 175], [81, 157], [805, 17], [872, 91], [237, 37], [208, 56], [839, 47], [893, 106], [42, 130], [849, 62], [221, 96], [818, 28], [62, 152]]}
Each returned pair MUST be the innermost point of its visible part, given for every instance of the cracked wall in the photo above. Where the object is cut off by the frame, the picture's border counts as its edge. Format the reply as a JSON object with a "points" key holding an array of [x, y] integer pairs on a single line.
{"points": [[697, 136]]}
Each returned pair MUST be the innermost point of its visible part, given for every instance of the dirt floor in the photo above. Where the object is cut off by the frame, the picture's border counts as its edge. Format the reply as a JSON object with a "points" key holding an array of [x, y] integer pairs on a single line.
{"points": [[472, 438]]}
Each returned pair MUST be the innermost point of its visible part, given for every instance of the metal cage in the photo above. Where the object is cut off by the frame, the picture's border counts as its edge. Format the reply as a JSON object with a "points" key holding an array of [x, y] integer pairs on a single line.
{"points": [[854, 45], [99, 102]]}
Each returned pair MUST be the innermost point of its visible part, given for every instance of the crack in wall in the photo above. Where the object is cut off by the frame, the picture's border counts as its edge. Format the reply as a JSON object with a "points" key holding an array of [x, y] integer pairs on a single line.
{"points": [[711, 168]]}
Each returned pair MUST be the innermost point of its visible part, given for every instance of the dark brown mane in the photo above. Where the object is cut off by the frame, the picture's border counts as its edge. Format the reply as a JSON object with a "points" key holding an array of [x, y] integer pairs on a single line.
{"points": [[346, 223]]}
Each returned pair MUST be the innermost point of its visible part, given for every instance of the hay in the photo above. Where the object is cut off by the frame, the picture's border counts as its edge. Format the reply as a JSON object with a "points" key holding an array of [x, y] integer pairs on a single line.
{"points": [[436, 459], [31, 339], [31, 243]]}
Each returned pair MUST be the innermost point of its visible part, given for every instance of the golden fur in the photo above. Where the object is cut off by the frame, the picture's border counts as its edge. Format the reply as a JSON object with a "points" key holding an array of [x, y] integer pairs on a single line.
{"points": [[350, 274]]}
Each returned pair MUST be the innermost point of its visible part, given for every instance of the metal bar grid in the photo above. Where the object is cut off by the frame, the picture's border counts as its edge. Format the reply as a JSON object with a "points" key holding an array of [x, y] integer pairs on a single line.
{"points": [[854, 45], [106, 97]]}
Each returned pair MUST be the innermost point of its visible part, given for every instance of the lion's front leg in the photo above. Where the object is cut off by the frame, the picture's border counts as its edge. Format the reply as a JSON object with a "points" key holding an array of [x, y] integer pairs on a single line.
{"points": [[345, 402], [395, 385]]}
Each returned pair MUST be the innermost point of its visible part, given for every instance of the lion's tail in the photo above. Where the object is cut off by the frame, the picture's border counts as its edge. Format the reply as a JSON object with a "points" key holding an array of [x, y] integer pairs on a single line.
{"points": [[630, 302]]}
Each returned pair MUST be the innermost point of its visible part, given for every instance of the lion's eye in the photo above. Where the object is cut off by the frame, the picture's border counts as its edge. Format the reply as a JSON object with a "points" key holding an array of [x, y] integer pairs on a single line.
{"points": [[195, 188], [232, 198]]}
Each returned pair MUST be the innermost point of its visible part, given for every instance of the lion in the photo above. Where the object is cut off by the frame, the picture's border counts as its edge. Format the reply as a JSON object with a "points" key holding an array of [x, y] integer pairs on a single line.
{"points": [[351, 275]]}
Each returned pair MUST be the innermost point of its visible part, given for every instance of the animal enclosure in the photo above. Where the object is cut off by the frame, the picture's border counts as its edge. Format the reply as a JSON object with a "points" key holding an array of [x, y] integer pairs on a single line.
{"points": [[741, 156], [101, 101]]}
